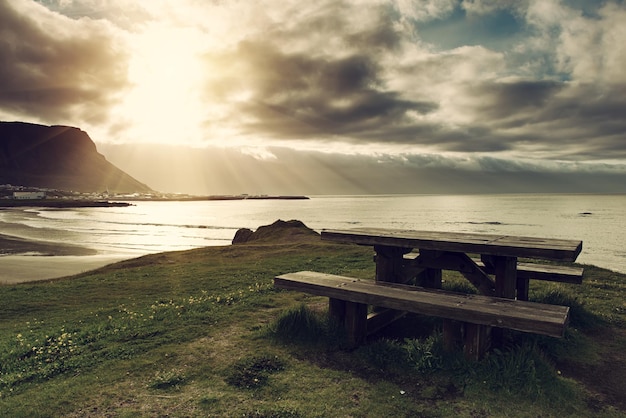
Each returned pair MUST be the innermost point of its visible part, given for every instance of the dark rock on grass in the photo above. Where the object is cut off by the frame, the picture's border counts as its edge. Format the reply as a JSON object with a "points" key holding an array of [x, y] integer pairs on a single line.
{"points": [[242, 235], [279, 231]]}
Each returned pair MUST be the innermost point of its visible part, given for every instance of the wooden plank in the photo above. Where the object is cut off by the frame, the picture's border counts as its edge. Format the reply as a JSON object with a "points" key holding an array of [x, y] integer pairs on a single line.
{"points": [[562, 274], [498, 245], [547, 272], [489, 304], [483, 310]]}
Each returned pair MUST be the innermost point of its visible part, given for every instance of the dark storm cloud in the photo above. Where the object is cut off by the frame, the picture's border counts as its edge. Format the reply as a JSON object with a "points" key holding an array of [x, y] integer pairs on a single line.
{"points": [[504, 99], [587, 123], [526, 98], [317, 92], [56, 75], [511, 79], [345, 92], [297, 95]]}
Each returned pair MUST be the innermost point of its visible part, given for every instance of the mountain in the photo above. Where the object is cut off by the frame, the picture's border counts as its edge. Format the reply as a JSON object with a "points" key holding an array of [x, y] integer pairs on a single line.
{"points": [[58, 157]]}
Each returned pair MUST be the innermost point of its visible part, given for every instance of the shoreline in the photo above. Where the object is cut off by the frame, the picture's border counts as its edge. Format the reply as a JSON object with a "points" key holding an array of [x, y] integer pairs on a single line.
{"points": [[10, 245], [123, 201], [25, 268], [60, 204], [23, 260]]}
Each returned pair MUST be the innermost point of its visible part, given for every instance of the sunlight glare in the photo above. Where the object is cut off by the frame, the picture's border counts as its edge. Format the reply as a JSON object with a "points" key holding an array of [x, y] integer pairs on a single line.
{"points": [[165, 103]]}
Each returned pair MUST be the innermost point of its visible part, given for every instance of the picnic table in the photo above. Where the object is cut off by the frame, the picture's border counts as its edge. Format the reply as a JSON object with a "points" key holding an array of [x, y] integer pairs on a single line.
{"points": [[438, 251], [408, 278]]}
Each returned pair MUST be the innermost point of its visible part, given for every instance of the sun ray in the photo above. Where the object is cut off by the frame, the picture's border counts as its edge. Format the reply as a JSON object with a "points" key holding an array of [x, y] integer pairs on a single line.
{"points": [[166, 73]]}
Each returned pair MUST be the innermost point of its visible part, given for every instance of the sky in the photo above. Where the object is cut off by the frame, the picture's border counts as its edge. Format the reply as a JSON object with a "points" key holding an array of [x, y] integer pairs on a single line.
{"points": [[330, 97]]}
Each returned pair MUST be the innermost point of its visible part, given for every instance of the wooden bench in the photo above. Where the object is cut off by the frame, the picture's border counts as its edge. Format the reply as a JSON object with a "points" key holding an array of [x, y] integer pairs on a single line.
{"points": [[545, 272], [525, 272], [349, 298]]}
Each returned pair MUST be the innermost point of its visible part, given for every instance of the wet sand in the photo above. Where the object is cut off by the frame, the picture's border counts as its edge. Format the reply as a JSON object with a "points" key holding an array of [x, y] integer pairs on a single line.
{"points": [[24, 260], [30, 268], [13, 245]]}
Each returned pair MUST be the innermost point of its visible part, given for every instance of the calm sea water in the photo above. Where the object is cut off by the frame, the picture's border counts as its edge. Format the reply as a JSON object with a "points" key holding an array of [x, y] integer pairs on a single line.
{"points": [[148, 227]]}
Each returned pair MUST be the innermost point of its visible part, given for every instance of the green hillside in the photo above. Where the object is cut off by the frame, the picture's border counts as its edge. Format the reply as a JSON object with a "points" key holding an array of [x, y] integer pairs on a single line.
{"points": [[204, 333]]}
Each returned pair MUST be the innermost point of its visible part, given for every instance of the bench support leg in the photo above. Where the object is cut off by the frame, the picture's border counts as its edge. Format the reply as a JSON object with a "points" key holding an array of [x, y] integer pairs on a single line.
{"points": [[522, 288], [452, 334], [353, 316], [337, 309], [477, 340]]}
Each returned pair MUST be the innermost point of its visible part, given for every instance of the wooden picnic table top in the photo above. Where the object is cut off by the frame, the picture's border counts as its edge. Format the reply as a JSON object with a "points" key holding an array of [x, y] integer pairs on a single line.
{"points": [[487, 244]]}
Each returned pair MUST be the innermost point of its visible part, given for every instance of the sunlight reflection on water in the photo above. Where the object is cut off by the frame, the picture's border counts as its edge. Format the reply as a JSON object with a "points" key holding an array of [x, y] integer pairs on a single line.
{"points": [[149, 227]]}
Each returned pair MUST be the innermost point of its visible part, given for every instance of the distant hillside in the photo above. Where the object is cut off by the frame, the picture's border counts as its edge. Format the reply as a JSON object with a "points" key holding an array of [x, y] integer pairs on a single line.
{"points": [[58, 157]]}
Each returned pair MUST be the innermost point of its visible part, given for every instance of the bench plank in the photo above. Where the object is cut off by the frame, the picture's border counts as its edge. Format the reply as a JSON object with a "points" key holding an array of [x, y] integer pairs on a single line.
{"points": [[477, 309], [561, 274], [545, 272], [498, 245]]}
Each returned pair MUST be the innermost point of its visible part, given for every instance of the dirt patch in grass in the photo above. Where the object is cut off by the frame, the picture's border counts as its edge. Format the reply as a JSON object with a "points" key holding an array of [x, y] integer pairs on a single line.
{"points": [[605, 379]]}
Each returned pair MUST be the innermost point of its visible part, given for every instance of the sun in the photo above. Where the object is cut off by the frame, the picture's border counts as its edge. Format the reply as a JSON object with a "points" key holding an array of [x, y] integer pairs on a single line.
{"points": [[164, 104]]}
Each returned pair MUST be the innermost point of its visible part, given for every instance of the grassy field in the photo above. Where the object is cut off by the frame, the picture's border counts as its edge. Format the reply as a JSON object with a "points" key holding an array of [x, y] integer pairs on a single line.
{"points": [[203, 333]]}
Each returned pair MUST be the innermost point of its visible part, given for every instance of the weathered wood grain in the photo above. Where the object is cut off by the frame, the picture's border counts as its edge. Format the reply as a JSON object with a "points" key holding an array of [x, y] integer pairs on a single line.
{"points": [[477, 309], [489, 244]]}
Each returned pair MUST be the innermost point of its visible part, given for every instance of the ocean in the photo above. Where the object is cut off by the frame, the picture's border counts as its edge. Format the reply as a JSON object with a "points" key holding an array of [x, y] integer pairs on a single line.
{"points": [[150, 227]]}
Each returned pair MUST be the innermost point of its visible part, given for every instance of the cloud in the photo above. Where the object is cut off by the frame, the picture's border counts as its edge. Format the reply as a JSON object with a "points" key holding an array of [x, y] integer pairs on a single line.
{"points": [[530, 80], [286, 171], [55, 68], [297, 89]]}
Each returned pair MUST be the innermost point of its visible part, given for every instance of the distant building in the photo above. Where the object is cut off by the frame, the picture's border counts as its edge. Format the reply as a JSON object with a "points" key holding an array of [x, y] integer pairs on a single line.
{"points": [[29, 195]]}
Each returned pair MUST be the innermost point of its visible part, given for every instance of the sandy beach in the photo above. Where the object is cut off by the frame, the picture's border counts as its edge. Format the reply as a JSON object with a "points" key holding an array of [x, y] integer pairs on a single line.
{"points": [[27, 260], [13, 245]]}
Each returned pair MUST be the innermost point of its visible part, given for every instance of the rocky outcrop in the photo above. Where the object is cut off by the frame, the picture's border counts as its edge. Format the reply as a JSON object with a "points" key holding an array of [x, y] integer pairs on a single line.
{"points": [[58, 157], [242, 235], [279, 231]]}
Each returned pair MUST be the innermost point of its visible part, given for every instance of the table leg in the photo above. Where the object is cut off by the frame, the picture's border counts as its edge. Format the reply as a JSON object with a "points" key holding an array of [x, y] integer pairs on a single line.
{"points": [[430, 277], [506, 284], [506, 276], [389, 268], [389, 263], [522, 288]]}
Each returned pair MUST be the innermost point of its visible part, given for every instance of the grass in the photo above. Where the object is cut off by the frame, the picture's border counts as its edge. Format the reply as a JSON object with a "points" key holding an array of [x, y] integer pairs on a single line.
{"points": [[204, 333]]}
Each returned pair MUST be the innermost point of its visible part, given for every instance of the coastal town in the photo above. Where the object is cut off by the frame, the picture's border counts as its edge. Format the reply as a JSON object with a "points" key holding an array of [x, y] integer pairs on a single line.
{"points": [[16, 196]]}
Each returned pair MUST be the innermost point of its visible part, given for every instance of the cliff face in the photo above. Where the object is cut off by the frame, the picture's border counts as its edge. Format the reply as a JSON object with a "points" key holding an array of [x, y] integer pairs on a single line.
{"points": [[58, 157]]}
